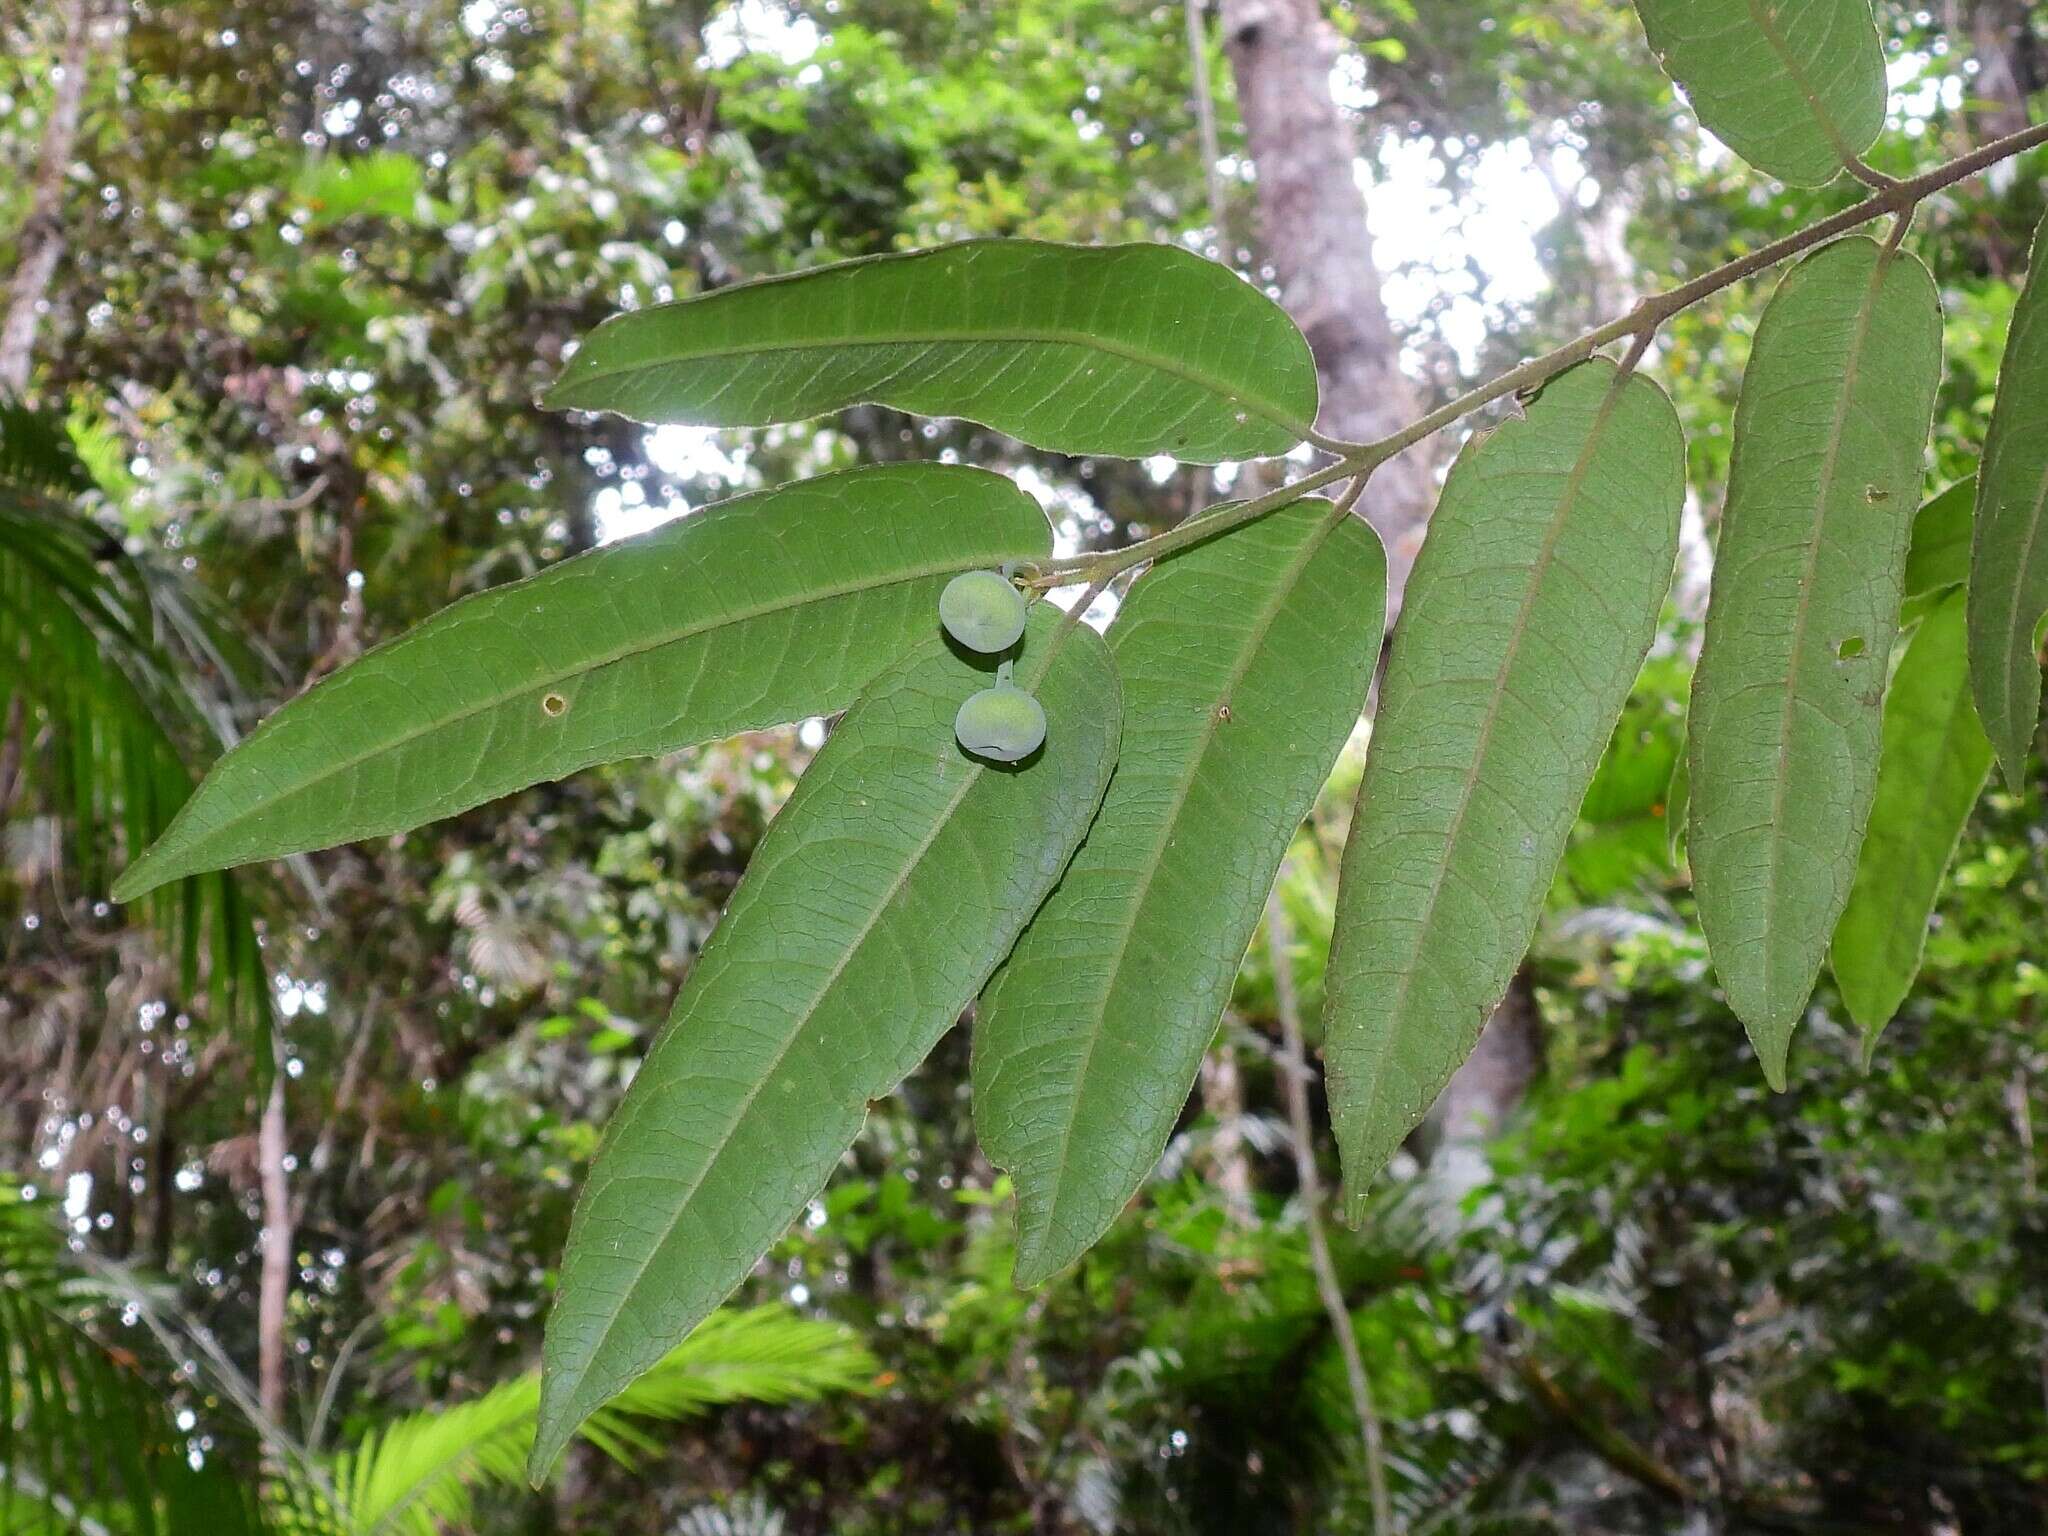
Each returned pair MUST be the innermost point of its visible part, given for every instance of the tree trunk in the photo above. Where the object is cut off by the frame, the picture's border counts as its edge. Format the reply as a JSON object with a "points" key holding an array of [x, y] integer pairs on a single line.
{"points": [[2013, 64], [41, 242], [1475, 1104], [1313, 232], [1223, 1098], [1312, 219]]}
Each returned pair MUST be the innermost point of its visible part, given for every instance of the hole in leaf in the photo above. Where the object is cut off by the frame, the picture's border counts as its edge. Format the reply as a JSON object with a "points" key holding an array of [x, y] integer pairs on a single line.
{"points": [[1874, 495], [554, 704], [1851, 647]]}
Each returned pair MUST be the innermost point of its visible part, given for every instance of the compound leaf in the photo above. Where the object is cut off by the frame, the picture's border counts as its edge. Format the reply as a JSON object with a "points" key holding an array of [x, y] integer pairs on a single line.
{"points": [[1244, 662], [1124, 350], [885, 893], [1795, 87], [1788, 698], [1934, 762], [2009, 557], [1531, 607], [750, 613]]}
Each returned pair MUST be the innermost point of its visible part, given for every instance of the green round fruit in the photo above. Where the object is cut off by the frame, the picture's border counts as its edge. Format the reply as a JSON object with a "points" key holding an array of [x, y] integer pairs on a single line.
{"points": [[1003, 724], [983, 611]]}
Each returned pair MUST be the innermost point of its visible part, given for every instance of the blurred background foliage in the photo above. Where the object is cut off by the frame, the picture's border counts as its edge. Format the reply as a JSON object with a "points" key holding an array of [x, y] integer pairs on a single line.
{"points": [[318, 256]]}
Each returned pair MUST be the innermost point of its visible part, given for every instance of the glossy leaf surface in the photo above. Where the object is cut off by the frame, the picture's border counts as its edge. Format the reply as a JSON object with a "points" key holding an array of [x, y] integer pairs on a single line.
{"points": [[1795, 87], [1933, 767], [1530, 610], [2009, 558], [1244, 663], [1788, 699], [898, 875], [1125, 350], [750, 613]]}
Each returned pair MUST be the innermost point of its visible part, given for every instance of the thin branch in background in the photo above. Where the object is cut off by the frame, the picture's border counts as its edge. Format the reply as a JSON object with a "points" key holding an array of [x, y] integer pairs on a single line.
{"points": [[1613, 1447], [323, 1410], [1294, 1078], [41, 242], [1205, 118], [2019, 1104], [276, 1243], [342, 1102]]}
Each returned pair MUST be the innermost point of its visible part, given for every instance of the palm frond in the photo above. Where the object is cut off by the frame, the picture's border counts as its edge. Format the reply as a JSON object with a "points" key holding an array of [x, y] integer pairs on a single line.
{"points": [[107, 716], [423, 1472], [89, 1444], [36, 453]]}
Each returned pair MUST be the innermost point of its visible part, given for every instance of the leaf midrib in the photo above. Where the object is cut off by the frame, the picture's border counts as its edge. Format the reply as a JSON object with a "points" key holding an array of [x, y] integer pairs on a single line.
{"points": [[1830, 465], [1837, 139], [1053, 336], [1518, 632], [1268, 616], [2019, 638], [589, 669]]}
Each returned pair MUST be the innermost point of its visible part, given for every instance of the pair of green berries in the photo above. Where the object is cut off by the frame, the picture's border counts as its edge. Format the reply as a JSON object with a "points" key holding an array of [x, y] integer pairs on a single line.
{"points": [[985, 613]]}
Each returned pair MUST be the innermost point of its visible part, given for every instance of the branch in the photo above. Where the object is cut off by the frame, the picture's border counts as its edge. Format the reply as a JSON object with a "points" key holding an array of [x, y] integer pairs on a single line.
{"points": [[1610, 1445], [1641, 322], [275, 1241], [1205, 120]]}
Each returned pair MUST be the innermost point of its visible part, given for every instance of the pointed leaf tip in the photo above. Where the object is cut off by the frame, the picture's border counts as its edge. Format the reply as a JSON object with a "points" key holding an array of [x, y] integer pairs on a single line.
{"points": [[1775, 1057]]}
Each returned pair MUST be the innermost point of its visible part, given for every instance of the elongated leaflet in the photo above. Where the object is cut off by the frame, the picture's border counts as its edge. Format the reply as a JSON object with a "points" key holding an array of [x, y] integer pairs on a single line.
{"points": [[1787, 702], [749, 613], [1126, 349], [1528, 616], [1244, 662], [2009, 554], [1933, 765]]}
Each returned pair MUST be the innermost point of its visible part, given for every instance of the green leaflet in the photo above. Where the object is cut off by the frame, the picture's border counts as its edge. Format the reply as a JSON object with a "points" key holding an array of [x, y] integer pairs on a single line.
{"points": [[750, 613], [885, 893], [1530, 610], [1933, 766], [1795, 87], [1787, 701], [2009, 558], [1939, 555], [1126, 350], [1244, 663]]}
